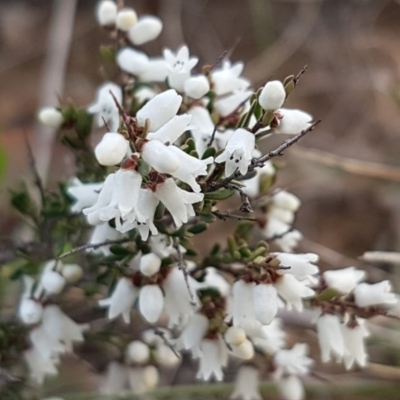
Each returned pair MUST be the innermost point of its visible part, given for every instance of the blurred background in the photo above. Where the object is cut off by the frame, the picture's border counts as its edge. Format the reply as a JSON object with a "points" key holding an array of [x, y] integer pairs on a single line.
{"points": [[347, 172]]}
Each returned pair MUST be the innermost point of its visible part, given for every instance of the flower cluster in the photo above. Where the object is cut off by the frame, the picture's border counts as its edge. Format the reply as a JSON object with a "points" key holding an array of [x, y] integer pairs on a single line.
{"points": [[175, 143]]}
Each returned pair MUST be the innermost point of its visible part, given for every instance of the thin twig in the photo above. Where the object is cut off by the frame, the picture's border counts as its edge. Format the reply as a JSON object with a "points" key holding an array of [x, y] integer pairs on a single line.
{"points": [[299, 75], [161, 333], [246, 205], [279, 235], [182, 266], [93, 246], [226, 215], [213, 136]]}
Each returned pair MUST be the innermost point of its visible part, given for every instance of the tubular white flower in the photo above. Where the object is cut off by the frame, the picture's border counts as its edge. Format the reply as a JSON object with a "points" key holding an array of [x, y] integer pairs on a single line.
{"points": [[355, 351], [40, 366], [160, 157], [213, 357], [235, 336], [84, 194], [72, 272], [151, 376], [245, 350], [105, 106], [291, 388], [121, 300], [265, 299], [53, 282], [288, 239], [137, 352], [193, 332], [165, 357], [215, 280], [227, 105], [132, 61], [177, 201], [100, 234], [196, 87], [143, 379], [115, 380], [293, 121], [270, 338], [126, 19], [227, 78], [147, 28], [51, 117], [149, 264], [151, 302], [106, 12], [172, 130], [293, 291], [330, 337], [160, 109], [179, 67], [344, 280], [367, 295], [238, 152], [300, 264], [272, 96], [144, 94], [202, 127], [156, 71], [252, 185], [285, 200], [111, 150], [246, 384], [243, 302], [30, 311], [293, 361], [47, 345]]}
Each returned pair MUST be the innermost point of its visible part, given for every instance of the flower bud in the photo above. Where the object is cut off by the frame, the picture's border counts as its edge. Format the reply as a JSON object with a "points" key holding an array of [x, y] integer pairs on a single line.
{"points": [[106, 13], [245, 351], [126, 19], [146, 29], [150, 376], [149, 264], [235, 336], [137, 352], [293, 121], [132, 61], [272, 96], [291, 388], [112, 149], [196, 86], [367, 295], [53, 282], [50, 116], [286, 200], [30, 311], [165, 356], [72, 272]]}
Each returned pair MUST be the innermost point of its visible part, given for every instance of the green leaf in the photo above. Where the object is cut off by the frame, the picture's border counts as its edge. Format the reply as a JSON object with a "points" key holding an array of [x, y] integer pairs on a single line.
{"points": [[83, 123], [210, 152], [21, 201], [328, 294], [198, 228], [120, 250], [3, 161], [220, 194]]}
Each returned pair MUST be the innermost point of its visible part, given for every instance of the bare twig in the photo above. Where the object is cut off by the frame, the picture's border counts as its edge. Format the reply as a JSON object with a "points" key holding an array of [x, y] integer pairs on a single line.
{"points": [[161, 333], [299, 75], [93, 246], [213, 135], [279, 235], [226, 215], [182, 266]]}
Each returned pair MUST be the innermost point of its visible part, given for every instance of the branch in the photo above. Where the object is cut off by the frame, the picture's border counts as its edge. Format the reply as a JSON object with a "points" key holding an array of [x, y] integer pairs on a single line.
{"points": [[182, 266], [93, 246], [161, 333], [226, 215]]}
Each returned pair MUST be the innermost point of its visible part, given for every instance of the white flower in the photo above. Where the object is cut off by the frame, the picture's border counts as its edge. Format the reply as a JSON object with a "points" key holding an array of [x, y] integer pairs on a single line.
{"points": [[272, 96], [330, 337], [243, 302], [151, 302], [252, 185], [213, 279], [293, 361], [52, 281], [121, 300], [30, 311], [160, 157], [285, 200], [147, 28], [246, 384], [300, 264], [159, 110], [40, 366], [344, 280], [196, 87], [111, 150], [72, 272], [291, 388], [245, 350], [265, 299], [293, 121], [228, 104], [202, 127], [100, 234], [179, 67], [143, 379], [165, 356], [172, 130], [51, 117], [193, 332], [47, 345], [367, 295], [178, 303], [162, 246], [156, 71], [106, 12], [177, 201], [84, 194], [213, 357], [149, 264], [126, 19], [115, 380], [105, 106], [137, 352], [132, 61], [353, 337], [287, 239], [270, 338], [144, 94], [235, 336], [238, 152], [293, 291], [227, 78]]}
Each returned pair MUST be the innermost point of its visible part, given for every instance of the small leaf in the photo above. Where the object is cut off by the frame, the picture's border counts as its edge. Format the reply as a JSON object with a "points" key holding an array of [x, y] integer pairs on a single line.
{"points": [[328, 294], [221, 194], [210, 152], [198, 228], [119, 250]]}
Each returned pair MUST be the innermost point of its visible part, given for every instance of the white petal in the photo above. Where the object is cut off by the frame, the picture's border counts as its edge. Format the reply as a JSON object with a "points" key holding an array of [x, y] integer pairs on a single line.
{"points": [[145, 30], [151, 302], [265, 303]]}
